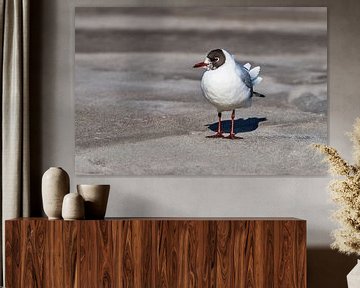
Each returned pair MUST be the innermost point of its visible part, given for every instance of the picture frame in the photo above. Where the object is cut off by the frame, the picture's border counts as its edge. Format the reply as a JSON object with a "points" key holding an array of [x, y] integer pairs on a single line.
{"points": [[297, 118]]}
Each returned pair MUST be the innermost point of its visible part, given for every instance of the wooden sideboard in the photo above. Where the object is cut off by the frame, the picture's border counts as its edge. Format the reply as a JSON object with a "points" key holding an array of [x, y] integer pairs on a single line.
{"points": [[156, 252]]}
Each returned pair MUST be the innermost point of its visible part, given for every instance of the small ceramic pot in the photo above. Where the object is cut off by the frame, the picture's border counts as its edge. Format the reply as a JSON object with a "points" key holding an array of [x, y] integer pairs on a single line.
{"points": [[55, 185], [73, 207], [96, 198]]}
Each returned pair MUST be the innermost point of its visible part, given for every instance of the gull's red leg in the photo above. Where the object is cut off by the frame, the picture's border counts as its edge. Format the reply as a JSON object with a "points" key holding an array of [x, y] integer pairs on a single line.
{"points": [[219, 133], [232, 134], [232, 122]]}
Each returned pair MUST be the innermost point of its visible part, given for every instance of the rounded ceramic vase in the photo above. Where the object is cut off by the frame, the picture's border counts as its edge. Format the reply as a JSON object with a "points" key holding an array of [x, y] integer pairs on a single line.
{"points": [[96, 198], [73, 207], [55, 185]]}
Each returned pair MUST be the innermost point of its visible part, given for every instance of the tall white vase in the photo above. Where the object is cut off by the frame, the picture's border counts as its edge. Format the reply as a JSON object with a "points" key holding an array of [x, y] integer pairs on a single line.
{"points": [[353, 278], [55, 185]]}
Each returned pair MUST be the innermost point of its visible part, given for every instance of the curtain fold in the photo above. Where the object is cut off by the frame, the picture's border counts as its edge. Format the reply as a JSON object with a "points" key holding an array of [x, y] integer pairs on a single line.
{"points": [[15, 112]]}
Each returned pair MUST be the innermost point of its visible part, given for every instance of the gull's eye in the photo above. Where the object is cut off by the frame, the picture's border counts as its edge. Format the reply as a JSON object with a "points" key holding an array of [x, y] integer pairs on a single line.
{"points": [[217, 59]]}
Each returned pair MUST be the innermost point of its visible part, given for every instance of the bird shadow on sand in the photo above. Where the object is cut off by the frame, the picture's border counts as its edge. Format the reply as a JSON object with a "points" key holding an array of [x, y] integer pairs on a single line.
{"points": [[241, 125]]}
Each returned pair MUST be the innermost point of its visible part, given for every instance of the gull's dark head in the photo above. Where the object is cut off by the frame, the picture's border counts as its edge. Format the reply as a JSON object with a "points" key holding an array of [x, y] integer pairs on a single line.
{"points": [[214, 59]]}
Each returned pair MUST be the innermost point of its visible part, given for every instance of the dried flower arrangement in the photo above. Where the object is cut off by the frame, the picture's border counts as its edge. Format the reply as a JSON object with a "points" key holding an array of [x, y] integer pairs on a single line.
{"points": [[345, 191]]}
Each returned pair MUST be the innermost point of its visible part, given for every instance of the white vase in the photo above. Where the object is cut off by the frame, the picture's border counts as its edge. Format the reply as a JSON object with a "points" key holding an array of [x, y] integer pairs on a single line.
{"points": [[55, 185], [96, 198], [73, 207], [353, 278]]}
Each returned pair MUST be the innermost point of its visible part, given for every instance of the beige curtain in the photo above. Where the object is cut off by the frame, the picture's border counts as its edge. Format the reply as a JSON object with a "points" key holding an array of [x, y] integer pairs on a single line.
{"points": [[14, 24]]}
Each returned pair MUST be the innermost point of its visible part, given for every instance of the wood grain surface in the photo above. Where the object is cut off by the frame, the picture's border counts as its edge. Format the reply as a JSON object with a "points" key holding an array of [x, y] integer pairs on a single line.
{"points": [[136, 253]]}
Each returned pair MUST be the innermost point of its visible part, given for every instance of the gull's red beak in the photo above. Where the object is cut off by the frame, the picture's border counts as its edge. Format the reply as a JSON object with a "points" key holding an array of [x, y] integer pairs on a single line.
{"points": [[200, 64]]}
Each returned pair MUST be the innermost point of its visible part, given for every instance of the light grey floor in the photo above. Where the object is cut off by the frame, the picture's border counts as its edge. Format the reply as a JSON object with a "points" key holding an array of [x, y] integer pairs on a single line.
{"points": [[139, 107]]}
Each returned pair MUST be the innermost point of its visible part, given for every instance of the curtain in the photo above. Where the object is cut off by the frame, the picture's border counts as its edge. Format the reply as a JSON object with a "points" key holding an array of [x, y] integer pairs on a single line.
{"points": [[15, 172]]}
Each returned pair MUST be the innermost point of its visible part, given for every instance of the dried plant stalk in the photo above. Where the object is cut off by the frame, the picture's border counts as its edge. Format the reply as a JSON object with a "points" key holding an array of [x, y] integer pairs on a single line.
{"points": [[355, 138], [345, 192]]}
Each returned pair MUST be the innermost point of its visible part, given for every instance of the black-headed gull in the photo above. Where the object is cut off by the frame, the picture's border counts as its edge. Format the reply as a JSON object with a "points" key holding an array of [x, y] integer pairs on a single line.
{"points": [[228, 85]]}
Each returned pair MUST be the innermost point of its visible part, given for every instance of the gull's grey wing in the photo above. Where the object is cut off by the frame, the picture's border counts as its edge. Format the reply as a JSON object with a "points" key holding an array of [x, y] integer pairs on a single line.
{"points": [[244, 75]]}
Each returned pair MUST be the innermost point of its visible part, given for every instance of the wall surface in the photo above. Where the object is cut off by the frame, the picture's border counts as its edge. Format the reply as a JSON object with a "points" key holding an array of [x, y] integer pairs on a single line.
{"points": [[52, 132]]}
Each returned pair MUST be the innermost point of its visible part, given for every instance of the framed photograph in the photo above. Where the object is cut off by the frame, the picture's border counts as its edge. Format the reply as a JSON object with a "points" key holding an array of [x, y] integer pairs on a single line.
{"points": [[200, 91]]}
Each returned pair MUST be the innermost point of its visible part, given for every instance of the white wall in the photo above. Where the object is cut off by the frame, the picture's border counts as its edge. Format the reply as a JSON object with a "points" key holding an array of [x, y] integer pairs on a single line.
{"points": [[53, 128]]}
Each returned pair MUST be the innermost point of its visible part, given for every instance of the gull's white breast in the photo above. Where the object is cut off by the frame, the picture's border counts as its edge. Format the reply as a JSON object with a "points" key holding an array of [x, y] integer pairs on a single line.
{"points": [[224, 88]]}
